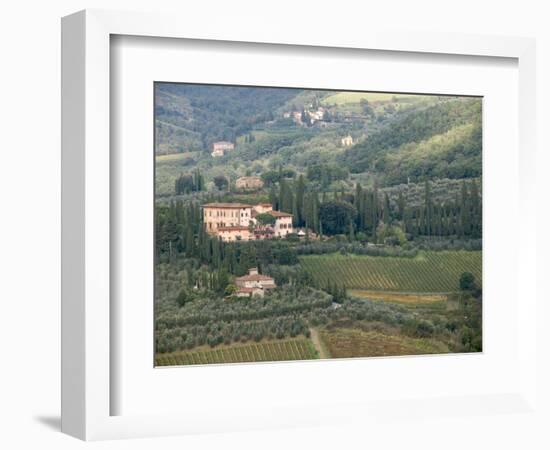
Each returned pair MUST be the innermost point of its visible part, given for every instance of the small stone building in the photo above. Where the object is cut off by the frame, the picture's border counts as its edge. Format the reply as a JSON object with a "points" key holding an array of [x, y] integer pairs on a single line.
{"points": [[347, 141], [249, 183], [221, 148], [254, 284], [283, 223]]}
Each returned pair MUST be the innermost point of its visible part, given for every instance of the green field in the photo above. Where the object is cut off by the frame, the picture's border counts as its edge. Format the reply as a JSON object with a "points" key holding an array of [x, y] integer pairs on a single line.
{"points": [[174, 156], [427, 272], [284, 350], [342, 98]]}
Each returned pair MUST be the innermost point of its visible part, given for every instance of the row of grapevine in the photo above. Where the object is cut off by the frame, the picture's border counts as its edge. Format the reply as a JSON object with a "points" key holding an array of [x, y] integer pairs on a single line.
{"points": [[285, 350], [428, 272]]}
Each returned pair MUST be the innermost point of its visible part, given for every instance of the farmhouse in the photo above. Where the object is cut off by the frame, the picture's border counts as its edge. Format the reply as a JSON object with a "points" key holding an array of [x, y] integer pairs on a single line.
{"points": [[253, 284], [347, 141], [221, 147], [249, 183]]}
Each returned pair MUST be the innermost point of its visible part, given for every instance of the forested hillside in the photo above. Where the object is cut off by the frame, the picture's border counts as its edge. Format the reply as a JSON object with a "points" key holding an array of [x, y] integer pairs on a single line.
{"points": [[396, 138], [443, 140], [191, 117]]}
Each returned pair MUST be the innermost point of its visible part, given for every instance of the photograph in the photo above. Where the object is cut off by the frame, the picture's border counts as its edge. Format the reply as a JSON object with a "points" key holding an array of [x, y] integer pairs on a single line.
{"points": [[296, 224]]}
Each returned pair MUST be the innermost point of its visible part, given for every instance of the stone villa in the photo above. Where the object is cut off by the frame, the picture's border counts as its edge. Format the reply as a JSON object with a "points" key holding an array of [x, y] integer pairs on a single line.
{"points": [[249, 183], [253, 284], [237, 221], [221, 148]]}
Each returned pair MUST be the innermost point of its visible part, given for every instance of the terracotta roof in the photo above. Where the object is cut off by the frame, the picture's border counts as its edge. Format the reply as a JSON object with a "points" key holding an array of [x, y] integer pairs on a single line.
{"points": [[255, 277], [249, 178], [279, 214], [227, 205]]}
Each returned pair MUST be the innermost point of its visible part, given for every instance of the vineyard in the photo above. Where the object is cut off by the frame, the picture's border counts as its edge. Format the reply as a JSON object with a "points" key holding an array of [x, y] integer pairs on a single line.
{"points": [[427, 272], [285, 350]]}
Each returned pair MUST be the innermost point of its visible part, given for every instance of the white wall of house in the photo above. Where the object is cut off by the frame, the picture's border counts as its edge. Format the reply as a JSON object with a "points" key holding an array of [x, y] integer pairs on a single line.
{"points": [[283, 226]]}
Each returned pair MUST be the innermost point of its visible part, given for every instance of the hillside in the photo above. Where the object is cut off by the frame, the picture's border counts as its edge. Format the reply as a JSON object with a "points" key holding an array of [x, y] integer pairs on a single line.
{"points": [[443, 140], [397, 138], [191, 117]]}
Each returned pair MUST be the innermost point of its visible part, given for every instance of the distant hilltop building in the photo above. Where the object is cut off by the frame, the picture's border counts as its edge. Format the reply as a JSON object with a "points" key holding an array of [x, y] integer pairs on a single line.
{"points": [[220, 148], [253, 284], [347, 141], [311, 116], [249, 183], [315, 116], [237, 221]]}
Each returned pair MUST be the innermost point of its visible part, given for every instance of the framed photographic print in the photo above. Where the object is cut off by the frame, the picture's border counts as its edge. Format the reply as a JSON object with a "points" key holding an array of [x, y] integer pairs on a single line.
{"points": [[298, 224], [290, 216]]}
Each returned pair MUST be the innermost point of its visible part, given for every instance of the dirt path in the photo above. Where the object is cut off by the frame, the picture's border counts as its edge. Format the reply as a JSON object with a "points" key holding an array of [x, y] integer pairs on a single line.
{"points": [[318, 344]]}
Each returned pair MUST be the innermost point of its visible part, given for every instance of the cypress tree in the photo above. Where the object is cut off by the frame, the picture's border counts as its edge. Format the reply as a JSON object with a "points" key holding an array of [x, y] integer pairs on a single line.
{"points": [[428, 209], [401, 206], [387, 211], [300, 190]]}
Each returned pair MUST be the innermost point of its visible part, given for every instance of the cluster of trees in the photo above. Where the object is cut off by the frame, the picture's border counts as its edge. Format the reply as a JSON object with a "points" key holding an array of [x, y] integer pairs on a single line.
{"points": [[337, 292], [461, 217], [274, 142], [275, 176], [189, 182], [367, 213], [221, 182], [325, 174]]}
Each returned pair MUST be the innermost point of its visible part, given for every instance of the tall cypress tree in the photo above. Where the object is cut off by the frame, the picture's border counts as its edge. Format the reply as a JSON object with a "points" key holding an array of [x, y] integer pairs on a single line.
{"points": [[428, 209], [387, 210], [400, 206], [300, 191]]}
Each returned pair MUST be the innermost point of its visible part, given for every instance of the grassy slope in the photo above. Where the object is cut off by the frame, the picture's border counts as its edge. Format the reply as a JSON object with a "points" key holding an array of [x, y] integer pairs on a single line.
{"points": [[353, 343], [341, 98], [398, 297], [427, 272]]}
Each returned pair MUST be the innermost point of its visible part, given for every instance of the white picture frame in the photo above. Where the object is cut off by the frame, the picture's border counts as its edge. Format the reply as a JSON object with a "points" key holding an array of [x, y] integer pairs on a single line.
{"points": [[87, 386]]}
